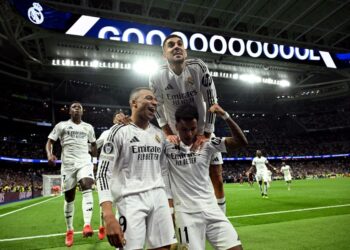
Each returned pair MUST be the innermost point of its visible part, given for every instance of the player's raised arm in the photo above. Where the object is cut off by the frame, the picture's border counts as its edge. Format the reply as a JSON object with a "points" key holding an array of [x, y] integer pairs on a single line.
{"points": [[208, 91], [154, 85], [268, 165], [238, 138]]}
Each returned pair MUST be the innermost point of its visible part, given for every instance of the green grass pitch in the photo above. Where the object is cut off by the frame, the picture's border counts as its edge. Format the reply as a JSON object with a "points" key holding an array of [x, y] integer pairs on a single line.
{"points": [[310, 216]]}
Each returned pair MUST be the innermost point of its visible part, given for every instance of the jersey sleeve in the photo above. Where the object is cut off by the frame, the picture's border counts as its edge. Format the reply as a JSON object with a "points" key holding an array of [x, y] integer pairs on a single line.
{"points": [[56, 132], [216, 144], [208, 91], [91, 135], [101, 139], [253, 162], [165, 172], [108, 157], [155, 86]]}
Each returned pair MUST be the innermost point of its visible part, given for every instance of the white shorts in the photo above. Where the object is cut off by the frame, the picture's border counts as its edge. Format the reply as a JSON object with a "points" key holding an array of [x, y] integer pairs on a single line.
{"points": [[288, 177], [72, 175], [216, 158], [147, 219], [193, 229], [261, 176]]}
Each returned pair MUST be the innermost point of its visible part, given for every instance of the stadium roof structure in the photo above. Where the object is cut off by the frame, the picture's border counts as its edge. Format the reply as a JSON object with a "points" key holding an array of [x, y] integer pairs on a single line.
{"points": [[322, 25]]}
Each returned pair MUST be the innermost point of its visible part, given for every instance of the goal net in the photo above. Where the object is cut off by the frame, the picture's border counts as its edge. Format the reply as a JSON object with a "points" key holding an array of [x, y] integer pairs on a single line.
{"points": [[52, 185]]}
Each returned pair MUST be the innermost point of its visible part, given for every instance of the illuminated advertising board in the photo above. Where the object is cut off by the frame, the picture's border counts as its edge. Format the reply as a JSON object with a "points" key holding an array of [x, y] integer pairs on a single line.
{"points": [[132, 32]]}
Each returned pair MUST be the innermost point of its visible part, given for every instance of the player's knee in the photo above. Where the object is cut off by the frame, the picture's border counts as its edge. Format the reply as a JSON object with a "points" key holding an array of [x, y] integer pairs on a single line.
{"points": [[86, 183], [260, 182], [69, 195]]}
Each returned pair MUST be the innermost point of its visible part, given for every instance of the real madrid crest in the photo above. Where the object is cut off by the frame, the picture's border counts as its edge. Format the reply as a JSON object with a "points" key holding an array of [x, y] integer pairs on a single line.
{"points": [[157, 138], [190, 80]]}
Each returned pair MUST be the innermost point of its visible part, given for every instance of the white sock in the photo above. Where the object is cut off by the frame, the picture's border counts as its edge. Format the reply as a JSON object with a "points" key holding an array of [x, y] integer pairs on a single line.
{"points": [[222, 204], [68, 209], [265, 188], [88, 205]]}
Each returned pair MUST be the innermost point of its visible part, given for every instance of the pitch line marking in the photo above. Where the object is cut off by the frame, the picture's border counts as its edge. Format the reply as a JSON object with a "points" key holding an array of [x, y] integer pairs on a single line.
{"points": [[287, 211], [20, 209], [40, 236], [238, 216]]}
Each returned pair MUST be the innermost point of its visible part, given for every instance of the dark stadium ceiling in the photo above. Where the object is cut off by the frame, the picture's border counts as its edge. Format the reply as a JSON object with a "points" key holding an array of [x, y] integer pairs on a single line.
{"points": [[314, 24]]}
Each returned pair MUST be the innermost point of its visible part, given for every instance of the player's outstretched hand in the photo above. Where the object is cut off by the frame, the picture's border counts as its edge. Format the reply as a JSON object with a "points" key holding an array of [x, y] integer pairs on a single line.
{"points": [[215, 108], [52, 160], [200, 140], [114, 232], [174, 139]]}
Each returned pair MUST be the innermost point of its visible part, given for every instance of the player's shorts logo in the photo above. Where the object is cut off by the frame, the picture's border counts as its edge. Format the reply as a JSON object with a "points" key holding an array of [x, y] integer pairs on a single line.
{"points": [[108, 148], [35, 14]]}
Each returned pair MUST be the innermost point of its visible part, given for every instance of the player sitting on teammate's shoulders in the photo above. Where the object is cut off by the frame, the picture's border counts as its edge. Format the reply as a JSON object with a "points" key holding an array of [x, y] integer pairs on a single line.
{"points": [[197, 214]]}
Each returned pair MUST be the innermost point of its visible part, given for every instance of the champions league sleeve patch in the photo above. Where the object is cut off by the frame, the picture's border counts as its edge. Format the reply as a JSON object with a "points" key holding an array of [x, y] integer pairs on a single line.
{"points": [[215, 140], [108, 148], [207, 80]]}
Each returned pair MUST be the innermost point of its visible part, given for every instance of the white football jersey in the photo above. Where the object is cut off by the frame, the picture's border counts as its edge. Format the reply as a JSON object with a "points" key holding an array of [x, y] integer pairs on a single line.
{"points": [[102, 138], [74, 139], [191, 187], [194, 86], [260, 163], [285, 170], [131, 161]]}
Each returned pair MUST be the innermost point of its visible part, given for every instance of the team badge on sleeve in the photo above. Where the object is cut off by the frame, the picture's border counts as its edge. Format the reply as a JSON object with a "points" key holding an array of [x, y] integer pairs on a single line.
{"points": [[216, 140], [108, 148], [206, 80]]}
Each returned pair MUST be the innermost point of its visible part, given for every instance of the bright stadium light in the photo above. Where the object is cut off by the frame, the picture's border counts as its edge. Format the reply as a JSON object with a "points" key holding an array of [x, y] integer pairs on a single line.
{"points": [[145, 66], [94, 64], [250, 78], [284, 83]]}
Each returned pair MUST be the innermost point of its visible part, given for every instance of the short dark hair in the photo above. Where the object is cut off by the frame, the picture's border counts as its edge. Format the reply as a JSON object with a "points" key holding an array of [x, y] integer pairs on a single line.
{"points": [[135, 91], [169, 37], [186, 112]]}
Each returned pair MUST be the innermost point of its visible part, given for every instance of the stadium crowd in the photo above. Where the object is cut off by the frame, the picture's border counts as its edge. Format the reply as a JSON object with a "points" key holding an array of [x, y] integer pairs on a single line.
{"points": [[22, 178]]}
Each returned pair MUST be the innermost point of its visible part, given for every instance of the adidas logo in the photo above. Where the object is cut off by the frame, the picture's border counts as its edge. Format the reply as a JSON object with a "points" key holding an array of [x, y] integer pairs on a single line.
{"points": [[70, 127], [169, 87], [134, 140]]}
